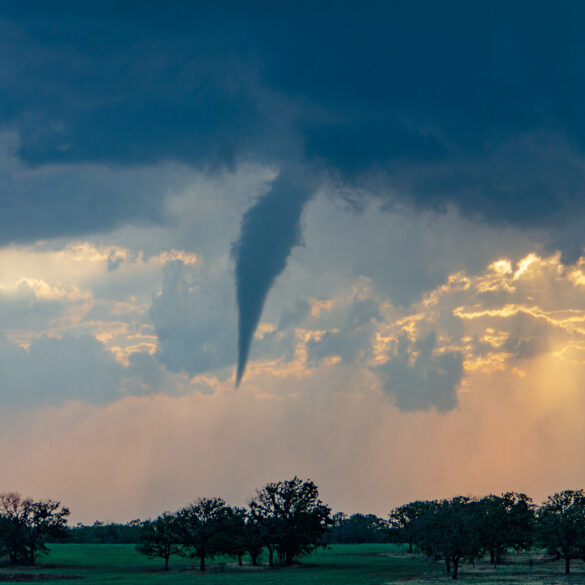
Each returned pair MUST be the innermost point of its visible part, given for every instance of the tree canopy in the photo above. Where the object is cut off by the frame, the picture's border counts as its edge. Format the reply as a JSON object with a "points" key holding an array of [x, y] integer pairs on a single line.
{"points": [[160, 537], [25, 525], [290, 518], [507, 521], [204, 528], [562, 525]]}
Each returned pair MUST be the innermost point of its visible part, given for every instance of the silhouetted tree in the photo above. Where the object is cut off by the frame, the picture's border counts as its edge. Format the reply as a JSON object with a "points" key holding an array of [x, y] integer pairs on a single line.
{"points": [[254, 531], [26, 525], [291, 518], [450, 530], [235, 533], [402, 520], [160, 537], [562, 525], [507, 521], [203, 528]]}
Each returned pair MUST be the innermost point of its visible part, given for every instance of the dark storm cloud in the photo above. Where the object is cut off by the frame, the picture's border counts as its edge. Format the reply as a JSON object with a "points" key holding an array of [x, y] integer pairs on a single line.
{"points": [[72, 201], [441, 97], [454, 103]]}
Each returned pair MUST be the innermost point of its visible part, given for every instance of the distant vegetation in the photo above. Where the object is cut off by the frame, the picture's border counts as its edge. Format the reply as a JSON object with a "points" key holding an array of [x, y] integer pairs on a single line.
{"points": [[286, 520]]}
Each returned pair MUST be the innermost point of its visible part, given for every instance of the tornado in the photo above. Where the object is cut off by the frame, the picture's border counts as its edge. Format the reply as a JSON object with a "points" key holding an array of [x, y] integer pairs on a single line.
{"points": [[270, 229]]}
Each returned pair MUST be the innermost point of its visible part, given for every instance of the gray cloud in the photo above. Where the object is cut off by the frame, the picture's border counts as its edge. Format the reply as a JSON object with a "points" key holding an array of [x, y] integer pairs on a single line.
{"points": [[421, 380], [25, 311], [292, 316], [346, 346], [85, 198], [489, 122], [352, 341], [53, 371], [194, 321]]}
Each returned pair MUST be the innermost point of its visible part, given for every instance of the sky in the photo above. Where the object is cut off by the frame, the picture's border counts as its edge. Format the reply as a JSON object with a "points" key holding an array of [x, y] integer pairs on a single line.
{"points": [[240, 243]]}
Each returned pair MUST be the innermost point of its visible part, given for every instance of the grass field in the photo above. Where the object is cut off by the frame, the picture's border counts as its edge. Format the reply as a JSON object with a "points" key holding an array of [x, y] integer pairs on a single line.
{"points": [[378, 564]]}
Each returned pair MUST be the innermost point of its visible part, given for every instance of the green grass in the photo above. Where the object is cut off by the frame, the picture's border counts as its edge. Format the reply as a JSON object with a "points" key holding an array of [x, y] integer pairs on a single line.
{"points": [[380, 564]]}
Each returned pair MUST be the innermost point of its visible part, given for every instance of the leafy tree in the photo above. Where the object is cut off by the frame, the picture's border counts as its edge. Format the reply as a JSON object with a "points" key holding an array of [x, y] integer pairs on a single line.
{"points": [[204, 528], [291, 518], [254, 537], [450, 530], [26, 525], [402, 520], [507, 521], [562, 525], [235, 533], [10, 539], [160, 538]]}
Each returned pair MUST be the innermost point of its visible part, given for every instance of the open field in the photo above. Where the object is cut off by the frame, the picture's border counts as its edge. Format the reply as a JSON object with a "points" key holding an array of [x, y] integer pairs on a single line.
{"points": [[377, 564]]}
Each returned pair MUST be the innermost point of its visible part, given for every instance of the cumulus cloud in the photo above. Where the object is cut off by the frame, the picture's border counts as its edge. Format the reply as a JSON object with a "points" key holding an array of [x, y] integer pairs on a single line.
{"points": [[419, 378], [501, 319], [54, 370], [194, 320], [34, 304]]}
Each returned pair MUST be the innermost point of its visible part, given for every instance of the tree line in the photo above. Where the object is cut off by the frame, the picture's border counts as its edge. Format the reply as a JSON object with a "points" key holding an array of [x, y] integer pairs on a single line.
{"points": [[287, 519], [465, 529]]}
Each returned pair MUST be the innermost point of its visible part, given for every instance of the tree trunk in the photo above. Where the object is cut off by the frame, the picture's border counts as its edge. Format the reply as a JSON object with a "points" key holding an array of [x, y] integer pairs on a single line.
{"points": [[254, 558], [567, 565], [410, 544], [447, 566], [492, 557], [270, 557], [167, 563], [202, 563], [455, 568], [240, 560]]}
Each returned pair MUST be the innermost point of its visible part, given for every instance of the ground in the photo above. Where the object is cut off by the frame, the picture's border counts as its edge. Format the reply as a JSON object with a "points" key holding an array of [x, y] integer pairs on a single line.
{"points": [[379, 564]]}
